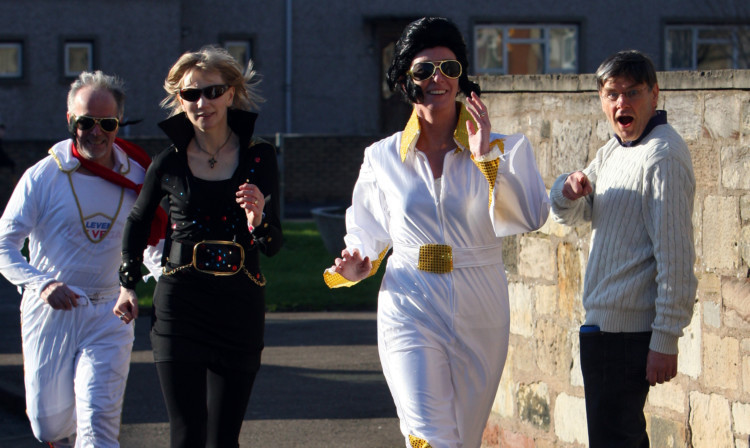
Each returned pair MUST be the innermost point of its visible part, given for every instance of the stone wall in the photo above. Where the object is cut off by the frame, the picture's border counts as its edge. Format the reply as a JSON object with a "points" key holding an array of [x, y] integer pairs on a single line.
{"points": [[540, 400]]}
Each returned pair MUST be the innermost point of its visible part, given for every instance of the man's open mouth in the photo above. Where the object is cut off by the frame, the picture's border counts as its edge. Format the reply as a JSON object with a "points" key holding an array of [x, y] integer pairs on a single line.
{"points": [[625, 120]]}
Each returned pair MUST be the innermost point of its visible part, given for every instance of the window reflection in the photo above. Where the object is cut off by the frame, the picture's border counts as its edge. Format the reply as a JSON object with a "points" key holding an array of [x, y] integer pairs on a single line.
{"points": [[707, 47], [10, 60], [525, 49], [78, 58]]}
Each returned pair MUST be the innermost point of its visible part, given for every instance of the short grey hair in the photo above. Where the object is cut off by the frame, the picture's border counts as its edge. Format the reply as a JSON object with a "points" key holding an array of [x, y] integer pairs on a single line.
{"points": [[99, 80]]}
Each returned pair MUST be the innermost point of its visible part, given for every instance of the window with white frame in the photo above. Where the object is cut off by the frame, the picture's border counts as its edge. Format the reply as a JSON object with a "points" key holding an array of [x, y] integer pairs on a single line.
{"points": [[78, 56], [511, 49], [11, 60], [707, 47], [240, 49]]}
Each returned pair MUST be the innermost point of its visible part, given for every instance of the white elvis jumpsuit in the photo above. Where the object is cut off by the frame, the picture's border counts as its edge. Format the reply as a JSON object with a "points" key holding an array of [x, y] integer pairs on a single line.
{"points": [[443, 337], [76, 361]]}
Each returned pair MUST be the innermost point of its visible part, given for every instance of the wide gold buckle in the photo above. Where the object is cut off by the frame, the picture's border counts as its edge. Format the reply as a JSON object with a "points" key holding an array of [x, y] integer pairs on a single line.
{"points": [[218, 257], [436, 258]]}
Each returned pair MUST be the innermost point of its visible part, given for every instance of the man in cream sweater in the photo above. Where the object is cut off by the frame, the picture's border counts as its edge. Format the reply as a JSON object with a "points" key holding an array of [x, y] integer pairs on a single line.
{"points": [[639, 287]]}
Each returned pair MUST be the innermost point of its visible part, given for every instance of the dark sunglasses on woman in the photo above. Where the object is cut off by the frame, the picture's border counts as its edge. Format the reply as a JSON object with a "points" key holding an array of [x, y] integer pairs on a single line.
{"points": [[84, 123], [425, 70], [210, 92]]}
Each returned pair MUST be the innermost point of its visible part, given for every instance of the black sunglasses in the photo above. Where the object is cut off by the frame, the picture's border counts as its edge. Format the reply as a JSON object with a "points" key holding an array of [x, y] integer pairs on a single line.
{"points": [[210, 92], [84, 123], [424, 70]]}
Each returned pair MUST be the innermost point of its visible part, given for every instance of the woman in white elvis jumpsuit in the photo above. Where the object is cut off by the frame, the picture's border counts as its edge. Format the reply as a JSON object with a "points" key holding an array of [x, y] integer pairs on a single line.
{"points": [[442, 194]]}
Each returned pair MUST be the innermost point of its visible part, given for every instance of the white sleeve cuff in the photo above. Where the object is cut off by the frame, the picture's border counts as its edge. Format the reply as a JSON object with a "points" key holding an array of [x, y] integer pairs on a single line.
{"points": [[492, 155]]}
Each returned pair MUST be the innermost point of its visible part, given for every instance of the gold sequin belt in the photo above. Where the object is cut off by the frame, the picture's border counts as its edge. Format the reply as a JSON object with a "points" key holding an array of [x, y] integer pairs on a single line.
{"points": [[442, 258]]}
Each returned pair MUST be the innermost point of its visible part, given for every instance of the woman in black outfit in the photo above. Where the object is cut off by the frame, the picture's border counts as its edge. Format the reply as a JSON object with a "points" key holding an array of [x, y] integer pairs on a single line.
{"points": [[222, 185]]}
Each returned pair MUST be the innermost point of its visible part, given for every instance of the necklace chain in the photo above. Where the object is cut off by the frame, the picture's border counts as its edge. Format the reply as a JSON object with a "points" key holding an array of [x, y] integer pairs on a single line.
{"points": [[212, 161]]}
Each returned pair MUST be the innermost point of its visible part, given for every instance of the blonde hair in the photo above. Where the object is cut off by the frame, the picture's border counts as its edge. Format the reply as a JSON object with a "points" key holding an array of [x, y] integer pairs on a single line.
{"points": [[212, 58]]}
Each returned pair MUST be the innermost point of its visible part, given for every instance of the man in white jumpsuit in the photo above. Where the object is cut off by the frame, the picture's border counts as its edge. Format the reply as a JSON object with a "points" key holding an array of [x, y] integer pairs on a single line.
{"points": [[76, 351], [442, 193]]}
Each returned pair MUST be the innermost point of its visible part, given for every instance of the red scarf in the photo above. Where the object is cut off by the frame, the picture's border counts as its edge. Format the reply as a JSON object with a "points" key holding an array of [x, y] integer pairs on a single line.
{"points": [[135, 152]]}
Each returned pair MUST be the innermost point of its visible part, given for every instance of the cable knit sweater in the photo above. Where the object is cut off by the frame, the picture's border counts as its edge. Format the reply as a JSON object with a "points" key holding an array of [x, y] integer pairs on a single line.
{"points": [[640, 270]]}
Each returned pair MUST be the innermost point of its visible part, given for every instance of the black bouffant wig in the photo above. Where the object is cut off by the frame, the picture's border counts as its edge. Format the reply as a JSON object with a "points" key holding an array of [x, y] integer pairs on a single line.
{"points": [[427, 32]]}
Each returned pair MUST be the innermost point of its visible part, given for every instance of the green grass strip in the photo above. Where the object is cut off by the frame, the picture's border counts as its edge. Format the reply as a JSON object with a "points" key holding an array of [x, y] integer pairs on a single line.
{"points": [[295, 277]]}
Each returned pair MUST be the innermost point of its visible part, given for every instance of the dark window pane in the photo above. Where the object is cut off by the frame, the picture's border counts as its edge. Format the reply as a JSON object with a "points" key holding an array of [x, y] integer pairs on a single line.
{"points": [[679, 49], [714, 57], [743, 44], [385, 63], [715, 33]]}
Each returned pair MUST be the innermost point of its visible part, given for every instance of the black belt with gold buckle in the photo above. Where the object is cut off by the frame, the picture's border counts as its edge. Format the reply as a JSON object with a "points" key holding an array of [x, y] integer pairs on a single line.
{"points": [[215, 257]]}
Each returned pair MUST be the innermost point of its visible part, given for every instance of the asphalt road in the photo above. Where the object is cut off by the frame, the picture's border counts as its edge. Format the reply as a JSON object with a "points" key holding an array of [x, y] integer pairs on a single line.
{"points": [[320, 386]]}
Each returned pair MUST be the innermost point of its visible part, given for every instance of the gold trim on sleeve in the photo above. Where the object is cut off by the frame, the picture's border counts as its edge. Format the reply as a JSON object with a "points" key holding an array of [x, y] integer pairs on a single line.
{"points": [[489, 167], [416, 442], [336, 280]]}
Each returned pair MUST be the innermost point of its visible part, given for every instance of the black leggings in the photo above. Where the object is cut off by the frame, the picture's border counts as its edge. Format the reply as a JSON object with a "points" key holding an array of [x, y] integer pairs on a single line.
{"points": [[206, 403]]}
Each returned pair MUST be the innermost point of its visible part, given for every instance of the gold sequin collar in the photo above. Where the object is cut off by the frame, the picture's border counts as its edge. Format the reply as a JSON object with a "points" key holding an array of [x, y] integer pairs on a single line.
{"points": [[411, 132]]}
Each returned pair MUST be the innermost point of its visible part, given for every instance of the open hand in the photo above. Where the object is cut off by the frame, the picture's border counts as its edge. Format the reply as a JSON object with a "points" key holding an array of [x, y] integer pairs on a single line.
{"points": [[479, 135], [352, 266]]}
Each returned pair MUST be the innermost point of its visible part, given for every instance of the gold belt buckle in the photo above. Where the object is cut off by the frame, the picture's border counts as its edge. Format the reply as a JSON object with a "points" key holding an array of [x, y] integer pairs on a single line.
{"points": [[437, 258], [218, 257]]}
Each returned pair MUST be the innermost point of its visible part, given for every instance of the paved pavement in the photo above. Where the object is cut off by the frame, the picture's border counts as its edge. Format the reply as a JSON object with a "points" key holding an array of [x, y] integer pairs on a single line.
{"points": [[320, 386]]}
